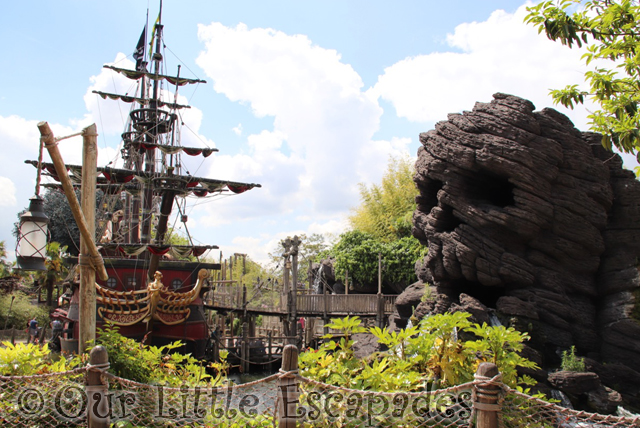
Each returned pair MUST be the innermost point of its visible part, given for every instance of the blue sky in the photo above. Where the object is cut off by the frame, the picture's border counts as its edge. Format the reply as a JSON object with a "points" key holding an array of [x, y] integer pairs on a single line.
{"points": [[308, 98]]}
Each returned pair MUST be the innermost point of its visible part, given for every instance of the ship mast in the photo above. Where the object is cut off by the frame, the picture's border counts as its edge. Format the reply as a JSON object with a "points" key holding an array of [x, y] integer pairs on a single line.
{"points": [[150, 175]]}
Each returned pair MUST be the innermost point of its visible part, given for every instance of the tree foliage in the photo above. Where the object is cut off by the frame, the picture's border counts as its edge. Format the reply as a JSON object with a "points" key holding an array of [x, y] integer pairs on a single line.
{"points": [[5, 266], [55, 271], [357, 253], [386, 209], [312, 248], [62, 226], [610, 31]]}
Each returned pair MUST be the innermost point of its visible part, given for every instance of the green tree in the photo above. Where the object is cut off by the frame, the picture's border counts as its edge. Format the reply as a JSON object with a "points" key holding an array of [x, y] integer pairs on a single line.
{"points": [[312, 248], [610, 30], [5, 267], [357, 253], [62, 226], [56, 270], [386, 209]]}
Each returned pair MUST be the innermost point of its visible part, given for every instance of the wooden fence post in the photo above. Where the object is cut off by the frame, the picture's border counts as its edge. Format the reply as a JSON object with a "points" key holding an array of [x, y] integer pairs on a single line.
{"points": [[486, 396], [288, 389], [97, 391]]}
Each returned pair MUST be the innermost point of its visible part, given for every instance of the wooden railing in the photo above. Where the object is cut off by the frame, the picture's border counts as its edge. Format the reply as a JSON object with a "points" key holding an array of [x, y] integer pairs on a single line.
{"points": [[317, 304]]}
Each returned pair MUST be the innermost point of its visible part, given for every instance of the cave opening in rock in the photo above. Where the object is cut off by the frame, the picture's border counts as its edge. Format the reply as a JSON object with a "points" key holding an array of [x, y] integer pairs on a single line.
{"points": [[430, 194], [488, 296], [489, 188], [448, 220]]}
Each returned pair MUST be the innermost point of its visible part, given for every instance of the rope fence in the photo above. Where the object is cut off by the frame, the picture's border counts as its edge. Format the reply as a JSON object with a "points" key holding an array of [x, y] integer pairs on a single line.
{"points": [[91, 396]]}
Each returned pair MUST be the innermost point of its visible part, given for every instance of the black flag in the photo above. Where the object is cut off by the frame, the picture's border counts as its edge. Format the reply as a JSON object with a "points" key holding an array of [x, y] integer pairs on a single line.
{"points": [[138, 54]]}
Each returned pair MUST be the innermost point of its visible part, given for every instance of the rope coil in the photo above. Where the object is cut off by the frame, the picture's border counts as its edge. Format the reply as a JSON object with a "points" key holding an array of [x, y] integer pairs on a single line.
{"points": [[101, 368], [291, 374], [88, 260]]}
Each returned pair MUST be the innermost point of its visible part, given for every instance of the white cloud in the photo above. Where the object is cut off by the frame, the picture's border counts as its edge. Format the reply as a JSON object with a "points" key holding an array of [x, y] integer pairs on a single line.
{"points": [[7, 193], [238, 129], [322, 119], [501, 54]]}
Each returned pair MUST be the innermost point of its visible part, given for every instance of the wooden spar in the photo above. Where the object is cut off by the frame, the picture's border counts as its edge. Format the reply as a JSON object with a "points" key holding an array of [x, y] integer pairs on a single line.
{"points": [[52, 147], [87, 304]]}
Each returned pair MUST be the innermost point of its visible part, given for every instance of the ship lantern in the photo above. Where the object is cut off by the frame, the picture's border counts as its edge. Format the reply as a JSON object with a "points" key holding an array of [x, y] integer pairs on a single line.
{"points": [[31, 249]]}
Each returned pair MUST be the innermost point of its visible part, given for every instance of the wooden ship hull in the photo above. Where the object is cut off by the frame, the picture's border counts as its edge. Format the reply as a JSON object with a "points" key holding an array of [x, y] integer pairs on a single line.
{"points": [[192, 331]]}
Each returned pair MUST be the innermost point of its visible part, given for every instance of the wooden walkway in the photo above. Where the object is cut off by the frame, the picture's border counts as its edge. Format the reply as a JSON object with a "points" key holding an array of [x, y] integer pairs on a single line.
{"points": [[308, 305]]}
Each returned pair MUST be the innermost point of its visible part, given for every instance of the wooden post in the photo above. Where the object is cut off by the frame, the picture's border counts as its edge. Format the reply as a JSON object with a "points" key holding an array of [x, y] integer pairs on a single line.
{"points": [[97, 391], [380, 308], [294, 287], [244, 349], [379, 273], [486, 404], [346, 282], [288, 389], [87, 304], [52, 146]]}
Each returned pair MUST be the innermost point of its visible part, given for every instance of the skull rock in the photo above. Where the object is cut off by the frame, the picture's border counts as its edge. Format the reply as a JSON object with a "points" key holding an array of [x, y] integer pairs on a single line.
{"points": [[519, 203]]}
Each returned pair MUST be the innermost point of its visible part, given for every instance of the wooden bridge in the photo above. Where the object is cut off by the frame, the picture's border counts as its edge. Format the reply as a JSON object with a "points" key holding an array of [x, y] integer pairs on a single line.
{"points": [[292, 313], [307, 305]]}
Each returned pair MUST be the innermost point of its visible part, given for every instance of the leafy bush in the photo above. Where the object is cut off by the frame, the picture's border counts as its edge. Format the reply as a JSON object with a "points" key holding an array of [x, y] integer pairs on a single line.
{"points": [[150, 364], [28, 359], [571, 362], [22, 310], [429, 354]]}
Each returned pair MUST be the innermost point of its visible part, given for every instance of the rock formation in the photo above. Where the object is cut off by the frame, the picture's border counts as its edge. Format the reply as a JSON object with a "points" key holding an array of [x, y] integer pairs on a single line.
{"points": [[528, 215]]}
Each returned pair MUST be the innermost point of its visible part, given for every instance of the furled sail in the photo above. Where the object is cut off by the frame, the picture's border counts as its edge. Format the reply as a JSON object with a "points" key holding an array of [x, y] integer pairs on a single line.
{"points": [[137, 75], [143, 101]]}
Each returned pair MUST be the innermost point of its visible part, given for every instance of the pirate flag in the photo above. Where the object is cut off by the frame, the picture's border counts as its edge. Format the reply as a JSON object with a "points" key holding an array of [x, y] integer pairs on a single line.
{"points": [[138, 54]]}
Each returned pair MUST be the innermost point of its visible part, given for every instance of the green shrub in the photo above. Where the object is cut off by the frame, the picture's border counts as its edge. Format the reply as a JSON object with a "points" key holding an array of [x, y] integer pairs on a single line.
{"points": [[571, 362], [429, 354], [22, 310], [150, 364], [28, 359]]}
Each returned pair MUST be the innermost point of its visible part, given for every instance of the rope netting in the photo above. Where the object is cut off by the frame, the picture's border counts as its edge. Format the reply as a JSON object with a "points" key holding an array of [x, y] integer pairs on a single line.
{"points": [[522, 410], [47, 400], [61, 400], [323, 405], [251, 404]]}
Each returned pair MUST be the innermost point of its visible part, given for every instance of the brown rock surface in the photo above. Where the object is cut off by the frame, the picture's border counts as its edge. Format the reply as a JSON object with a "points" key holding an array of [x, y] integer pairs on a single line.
{"points": [[526, 214]]}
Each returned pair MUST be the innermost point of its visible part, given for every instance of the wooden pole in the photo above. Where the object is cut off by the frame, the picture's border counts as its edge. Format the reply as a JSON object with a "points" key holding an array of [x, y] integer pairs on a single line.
{"points": [[87, 304], [288, 389], [346, 282], [486, 405], [52, 147], [379, 273], [294, 287], [244, 350], [97, 391], [380, 308]]}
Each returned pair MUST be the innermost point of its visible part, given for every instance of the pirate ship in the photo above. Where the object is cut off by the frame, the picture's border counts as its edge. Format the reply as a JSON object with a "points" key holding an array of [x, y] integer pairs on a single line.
{"points": [[154, 288]]}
